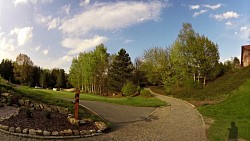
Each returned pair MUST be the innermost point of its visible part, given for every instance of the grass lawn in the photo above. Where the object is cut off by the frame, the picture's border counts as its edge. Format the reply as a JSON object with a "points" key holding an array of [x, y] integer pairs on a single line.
{"points": [[132, 101], [234, 109]]}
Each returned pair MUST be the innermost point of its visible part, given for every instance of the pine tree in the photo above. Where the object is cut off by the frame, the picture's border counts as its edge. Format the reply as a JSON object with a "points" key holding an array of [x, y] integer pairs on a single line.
{"points": [[120, 71]]}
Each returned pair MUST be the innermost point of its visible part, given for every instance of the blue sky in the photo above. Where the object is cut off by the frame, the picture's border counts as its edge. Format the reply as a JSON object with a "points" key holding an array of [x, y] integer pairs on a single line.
{"points": [[52, 32]]}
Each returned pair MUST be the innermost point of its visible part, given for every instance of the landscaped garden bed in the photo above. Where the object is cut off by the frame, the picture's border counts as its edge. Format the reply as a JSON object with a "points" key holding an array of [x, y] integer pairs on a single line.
{"points": [[26, 117]]}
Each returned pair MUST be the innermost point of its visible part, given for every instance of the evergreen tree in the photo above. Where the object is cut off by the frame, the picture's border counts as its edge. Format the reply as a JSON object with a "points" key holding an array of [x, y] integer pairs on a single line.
{"points": [[120, 71]]}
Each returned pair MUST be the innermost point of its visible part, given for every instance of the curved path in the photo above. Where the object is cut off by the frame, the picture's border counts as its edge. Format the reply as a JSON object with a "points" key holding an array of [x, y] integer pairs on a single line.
{"points": [[178, 122]]}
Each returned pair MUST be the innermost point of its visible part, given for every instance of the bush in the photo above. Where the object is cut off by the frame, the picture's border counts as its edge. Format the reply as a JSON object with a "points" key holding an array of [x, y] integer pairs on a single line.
{"points": [[129, 89], [47, 114], [145, 93], [28, 113]]}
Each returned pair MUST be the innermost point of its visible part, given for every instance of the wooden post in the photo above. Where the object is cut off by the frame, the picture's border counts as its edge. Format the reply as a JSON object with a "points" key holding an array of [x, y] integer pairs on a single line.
{"points": [[77, 104]]}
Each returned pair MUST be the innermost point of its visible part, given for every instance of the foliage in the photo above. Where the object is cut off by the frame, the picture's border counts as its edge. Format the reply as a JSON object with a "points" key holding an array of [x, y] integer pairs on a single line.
{"points": [[47, 114], [7, 70], [28, 113], [89, 70], [129, 88], [145, 93], [120, 71]]}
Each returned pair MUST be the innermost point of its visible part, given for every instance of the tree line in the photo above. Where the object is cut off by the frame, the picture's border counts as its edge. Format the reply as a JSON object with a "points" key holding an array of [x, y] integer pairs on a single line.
{"points": [[23, 71], [192, 60]]}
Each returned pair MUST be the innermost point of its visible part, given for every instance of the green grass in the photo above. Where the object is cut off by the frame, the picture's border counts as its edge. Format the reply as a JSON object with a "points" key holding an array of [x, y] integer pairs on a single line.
{"points": [[132, 101], [236, 108]]}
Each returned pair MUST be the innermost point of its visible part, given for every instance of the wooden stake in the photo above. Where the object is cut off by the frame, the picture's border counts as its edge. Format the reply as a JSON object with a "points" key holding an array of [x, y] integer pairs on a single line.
{"points": [[77, 104]]}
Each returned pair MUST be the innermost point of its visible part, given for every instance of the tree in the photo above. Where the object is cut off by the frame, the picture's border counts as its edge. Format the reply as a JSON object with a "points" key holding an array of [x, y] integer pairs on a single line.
{"points": [[36, 74], [120, 71], [89, 70], [7, 70], [60, 81], [156, 65], [23, 69], [44, 78]]}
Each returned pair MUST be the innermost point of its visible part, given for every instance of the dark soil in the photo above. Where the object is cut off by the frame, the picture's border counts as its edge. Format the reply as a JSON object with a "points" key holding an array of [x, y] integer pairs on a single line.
{"points": [[58, 122]]}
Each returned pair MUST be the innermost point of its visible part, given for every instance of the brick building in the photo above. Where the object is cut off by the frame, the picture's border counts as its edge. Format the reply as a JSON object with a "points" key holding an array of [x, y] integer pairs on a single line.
{"points": [[245, 55]]}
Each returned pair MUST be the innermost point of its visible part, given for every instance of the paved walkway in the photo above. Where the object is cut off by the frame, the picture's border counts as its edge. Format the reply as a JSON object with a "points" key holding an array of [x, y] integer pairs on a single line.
{"points": [[178, 122]]}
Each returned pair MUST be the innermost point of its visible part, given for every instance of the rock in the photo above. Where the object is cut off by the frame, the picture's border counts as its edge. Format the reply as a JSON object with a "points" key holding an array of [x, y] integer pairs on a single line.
{"points": [[76, 132], [92, 131], [54, 133], [41, 106], [49, 109], [26, 102], [68, 132], [1, 126], [73, 121], [32, 108], [32, 132], [31, 105], [4, 100], [82, 122], [39, 132], [21, 102], [18, 130], [99, 131], [12, 129], [85, 132], [88, 119], [37, 106], [6, 128], [61, 133], [25, 131], [101, 125], [6, 94], [46, 133], [45, 106]]}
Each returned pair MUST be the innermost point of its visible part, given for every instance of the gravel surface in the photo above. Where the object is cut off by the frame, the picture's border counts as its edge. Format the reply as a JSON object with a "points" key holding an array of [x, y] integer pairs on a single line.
{"points": [[178, 122]]}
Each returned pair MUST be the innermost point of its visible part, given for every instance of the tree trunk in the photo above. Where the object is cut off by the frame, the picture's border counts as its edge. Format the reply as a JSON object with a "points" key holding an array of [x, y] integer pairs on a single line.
{"points": [[204, 82]]}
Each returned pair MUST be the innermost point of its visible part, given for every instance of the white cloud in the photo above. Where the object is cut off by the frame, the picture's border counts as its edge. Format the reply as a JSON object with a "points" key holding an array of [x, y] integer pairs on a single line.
{"points": [[227, 15], [78, 45], [214, 7], [53, 24], [45, 52], [113, 16], [199, 13], [37, 48], [193, 7], [128, 41], [66, 9], [17, 2], [244, 33], [244, 28], [40, 19], [23, 34], [84, 2], [229, 23]]}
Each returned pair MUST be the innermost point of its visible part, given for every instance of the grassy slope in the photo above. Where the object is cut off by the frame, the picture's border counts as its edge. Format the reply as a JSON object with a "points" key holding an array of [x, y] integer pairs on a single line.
{"points": [[133, 101], [235, 108], [234, 90]]}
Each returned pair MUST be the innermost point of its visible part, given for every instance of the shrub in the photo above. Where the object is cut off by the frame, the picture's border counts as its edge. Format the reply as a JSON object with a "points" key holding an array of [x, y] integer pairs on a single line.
{"points": [[145, 93], [28, 113], [129, 88], [47, 114]]}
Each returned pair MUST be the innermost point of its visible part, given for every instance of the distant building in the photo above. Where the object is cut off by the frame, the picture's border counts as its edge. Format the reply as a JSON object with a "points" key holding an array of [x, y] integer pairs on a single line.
{"points": [[245, 55]]}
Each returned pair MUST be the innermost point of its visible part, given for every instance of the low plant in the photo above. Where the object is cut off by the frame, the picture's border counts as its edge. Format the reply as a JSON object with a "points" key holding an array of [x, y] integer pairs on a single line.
{"points": [[47, 114], [28, 113], [129, 89], [145, 93]]}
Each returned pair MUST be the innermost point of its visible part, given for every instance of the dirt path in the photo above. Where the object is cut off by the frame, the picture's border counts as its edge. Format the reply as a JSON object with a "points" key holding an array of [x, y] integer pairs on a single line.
{"points": [[178, 122]]}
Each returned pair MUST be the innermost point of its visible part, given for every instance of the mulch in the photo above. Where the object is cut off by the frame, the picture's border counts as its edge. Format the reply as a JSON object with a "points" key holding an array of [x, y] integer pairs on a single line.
{"points": [[58, 122]]}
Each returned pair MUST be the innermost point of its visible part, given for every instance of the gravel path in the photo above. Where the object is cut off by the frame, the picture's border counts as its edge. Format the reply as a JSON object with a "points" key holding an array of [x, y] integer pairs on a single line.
{"points": [[178, 122]]}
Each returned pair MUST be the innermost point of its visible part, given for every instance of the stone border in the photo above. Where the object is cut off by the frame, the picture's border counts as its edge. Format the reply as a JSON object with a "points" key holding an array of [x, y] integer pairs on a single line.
{"points": [[40, 134]]}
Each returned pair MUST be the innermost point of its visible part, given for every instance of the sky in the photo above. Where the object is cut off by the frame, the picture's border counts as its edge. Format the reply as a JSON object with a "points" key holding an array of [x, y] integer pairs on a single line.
{"points": [[52, 32]]}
